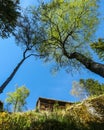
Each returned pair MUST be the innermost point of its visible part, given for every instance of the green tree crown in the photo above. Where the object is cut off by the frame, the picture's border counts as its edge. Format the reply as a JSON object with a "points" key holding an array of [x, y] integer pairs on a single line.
{"points": [[69, 25], [17, 99]]}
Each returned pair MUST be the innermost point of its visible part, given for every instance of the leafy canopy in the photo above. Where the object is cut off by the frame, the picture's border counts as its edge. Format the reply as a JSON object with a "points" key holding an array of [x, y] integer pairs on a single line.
{"points": [[78, 90], [18, 98], [9, 11], [85, 88], [69, 26], [93, 87], [98, 47], [29, 34]]}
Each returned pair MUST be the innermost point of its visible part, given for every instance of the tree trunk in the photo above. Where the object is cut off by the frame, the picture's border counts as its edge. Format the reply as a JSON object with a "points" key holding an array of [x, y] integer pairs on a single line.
{"points": [[6, 82], [95, 67], [15, 106], [2, 87]]}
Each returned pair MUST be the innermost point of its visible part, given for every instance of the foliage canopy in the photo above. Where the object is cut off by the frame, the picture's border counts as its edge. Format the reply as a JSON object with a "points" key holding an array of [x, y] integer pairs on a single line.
{"points": [[69, 26], [18, 98], [9, 11], [28, 35], [98, 47], [93, 87], [85, 88]]}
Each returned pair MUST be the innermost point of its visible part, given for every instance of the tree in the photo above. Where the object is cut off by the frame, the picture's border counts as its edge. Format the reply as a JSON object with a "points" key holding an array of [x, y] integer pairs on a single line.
{"points": [[98, 47], [78, 90], [27, 30], [70, 27], [60, 31], [9, 12], [86, 88], [18, 98], [93, 87]]}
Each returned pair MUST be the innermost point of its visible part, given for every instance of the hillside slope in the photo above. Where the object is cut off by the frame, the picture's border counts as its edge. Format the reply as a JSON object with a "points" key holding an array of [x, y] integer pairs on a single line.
{"points": [[87, 115]]}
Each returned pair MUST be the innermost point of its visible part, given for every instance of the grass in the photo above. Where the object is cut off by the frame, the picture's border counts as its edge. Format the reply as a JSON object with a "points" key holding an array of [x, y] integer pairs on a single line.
{"points": [[87, 115]]}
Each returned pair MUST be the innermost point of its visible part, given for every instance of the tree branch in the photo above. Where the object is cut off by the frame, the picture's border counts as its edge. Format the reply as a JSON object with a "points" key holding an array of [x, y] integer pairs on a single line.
{"points": [[7, 81], [95, 67]]}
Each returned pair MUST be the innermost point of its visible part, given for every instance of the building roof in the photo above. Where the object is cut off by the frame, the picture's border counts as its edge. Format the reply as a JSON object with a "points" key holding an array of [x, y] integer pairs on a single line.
{"points": [[52, 101]]}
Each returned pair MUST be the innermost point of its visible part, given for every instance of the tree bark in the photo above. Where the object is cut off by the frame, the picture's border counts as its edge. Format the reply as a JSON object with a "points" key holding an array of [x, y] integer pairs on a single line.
{"points": [[15, 106], [6, 82], [91, 65]]}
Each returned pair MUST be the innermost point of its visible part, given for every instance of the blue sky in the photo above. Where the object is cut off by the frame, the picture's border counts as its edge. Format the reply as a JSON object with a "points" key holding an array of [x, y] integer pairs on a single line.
{"points": [[36, 75]]}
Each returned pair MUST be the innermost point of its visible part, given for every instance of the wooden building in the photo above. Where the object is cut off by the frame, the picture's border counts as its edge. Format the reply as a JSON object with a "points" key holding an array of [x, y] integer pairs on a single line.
{"points": [[50, 104]]}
